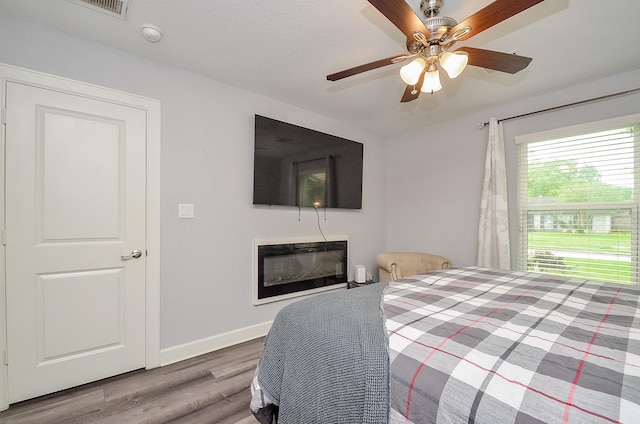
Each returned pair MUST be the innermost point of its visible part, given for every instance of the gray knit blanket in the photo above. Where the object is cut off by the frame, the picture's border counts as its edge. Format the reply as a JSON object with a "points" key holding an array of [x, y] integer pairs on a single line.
{"points": [[326, 360]]}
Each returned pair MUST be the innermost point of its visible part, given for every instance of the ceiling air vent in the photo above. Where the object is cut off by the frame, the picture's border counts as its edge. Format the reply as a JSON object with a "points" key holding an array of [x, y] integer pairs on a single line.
{"points": [[117, 8]]}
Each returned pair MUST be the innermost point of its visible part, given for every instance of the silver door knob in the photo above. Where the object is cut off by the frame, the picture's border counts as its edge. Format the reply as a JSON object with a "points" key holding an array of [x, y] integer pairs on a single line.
{"points": [[135, 254]]}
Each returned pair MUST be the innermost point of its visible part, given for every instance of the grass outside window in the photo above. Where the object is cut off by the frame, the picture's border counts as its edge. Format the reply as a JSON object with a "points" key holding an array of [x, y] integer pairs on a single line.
{"points": [[566, 243]]}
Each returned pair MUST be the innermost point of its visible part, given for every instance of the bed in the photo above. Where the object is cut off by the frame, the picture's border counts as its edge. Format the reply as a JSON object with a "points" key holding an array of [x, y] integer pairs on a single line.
{"points": [[457, 345]]}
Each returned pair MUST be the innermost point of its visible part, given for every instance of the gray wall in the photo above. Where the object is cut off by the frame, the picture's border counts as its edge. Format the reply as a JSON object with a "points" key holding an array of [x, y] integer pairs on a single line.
{"points": [[207, 160], [421, 189], [435, 175]]}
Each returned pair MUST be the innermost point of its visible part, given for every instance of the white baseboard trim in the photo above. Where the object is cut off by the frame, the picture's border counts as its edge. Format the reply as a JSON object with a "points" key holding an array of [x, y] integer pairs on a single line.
{"points": [[220, 341]]}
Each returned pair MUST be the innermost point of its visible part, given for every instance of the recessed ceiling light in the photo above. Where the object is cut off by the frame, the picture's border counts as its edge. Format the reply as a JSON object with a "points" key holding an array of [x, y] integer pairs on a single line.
{"points": [[151, 33]]}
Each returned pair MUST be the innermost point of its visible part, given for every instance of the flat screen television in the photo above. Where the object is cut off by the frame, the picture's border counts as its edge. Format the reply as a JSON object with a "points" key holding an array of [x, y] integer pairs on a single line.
{"points": [[296, 166]]}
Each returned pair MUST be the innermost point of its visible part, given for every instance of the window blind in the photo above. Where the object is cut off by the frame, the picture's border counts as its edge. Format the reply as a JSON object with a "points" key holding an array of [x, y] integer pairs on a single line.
{"points": [[578, 201]]}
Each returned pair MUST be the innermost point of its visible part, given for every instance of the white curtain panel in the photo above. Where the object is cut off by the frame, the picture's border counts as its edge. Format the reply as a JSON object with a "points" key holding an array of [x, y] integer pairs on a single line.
{"points": [[493, 234]]}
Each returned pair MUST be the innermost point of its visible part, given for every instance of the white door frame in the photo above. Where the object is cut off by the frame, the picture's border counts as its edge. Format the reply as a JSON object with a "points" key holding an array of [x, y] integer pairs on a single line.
{"points": [[152, 260]]}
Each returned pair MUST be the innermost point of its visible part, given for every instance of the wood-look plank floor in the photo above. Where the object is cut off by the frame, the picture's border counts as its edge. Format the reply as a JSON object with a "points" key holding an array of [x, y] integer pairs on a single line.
{"points": [[211, 388]]}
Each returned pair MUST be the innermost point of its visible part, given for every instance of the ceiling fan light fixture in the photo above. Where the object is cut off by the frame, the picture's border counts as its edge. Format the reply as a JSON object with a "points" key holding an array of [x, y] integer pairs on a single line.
{"points": [[431, 82], [410, 73], [429, 40], [453, 63]]}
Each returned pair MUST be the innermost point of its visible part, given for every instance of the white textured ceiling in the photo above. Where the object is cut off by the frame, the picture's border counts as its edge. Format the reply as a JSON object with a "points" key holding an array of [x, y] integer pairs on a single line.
{"points": [[284, 49]]}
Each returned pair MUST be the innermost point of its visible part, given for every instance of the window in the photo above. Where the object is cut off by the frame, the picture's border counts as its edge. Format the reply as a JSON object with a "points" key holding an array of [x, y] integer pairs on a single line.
{"points": [[315, 182], [578, 200], [311, 188]]}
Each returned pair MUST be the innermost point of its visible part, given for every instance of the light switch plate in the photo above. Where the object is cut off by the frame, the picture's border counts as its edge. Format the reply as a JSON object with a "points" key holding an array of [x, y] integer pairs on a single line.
{"points": [[185, 210]]}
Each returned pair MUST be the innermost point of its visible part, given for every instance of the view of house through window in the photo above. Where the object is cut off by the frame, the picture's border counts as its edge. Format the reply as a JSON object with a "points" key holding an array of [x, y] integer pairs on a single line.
{"points": [[578, 201]]}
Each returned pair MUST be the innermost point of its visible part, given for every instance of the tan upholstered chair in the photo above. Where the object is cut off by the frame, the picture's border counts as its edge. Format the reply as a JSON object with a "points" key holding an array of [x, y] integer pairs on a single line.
{"points": [[396, 265]]}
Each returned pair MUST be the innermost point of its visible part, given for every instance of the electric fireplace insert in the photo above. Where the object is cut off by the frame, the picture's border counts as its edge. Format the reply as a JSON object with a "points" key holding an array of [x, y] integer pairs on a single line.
{"points": [[287, 269]]}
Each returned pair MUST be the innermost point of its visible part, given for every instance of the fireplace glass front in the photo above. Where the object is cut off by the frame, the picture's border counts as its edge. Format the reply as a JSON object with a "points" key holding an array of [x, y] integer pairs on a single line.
{"points": [[290, 268]]}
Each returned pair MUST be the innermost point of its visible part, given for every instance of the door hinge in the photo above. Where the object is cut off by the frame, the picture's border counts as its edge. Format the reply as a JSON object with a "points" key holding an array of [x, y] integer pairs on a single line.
{"points": [[6, 357], [3, 237], [4, 116]]}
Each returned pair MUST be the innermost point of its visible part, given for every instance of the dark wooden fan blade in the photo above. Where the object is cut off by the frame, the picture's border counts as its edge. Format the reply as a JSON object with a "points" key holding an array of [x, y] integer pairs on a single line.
{"points": [[364, 68], [412, 91], [497, 61], [493, 14], [402, 16]]}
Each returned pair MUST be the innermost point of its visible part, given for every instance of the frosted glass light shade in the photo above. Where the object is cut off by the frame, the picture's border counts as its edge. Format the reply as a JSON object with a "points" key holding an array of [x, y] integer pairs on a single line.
{"points": [[410, 73], [453, 63], [431, 82]]}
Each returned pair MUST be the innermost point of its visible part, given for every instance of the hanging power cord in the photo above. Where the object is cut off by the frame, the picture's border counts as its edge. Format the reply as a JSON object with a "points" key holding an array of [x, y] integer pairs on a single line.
{"points": [[327, 241], [320, 226]]}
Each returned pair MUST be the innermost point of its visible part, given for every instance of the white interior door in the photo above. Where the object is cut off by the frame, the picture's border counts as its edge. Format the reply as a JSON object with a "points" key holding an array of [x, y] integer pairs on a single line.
{"points": [[75, 204]]}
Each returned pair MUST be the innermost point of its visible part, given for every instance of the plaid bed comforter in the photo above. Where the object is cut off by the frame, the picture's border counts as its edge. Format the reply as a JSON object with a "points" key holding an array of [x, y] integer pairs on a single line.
{"points": [[472, 345]]}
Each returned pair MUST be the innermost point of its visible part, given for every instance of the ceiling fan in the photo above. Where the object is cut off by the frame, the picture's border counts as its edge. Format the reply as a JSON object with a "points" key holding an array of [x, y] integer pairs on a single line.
{"points": [[429, 41]]}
